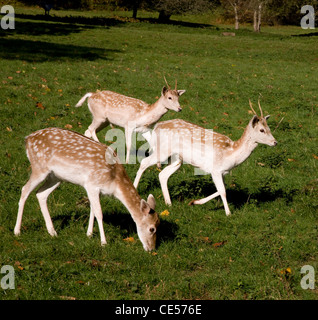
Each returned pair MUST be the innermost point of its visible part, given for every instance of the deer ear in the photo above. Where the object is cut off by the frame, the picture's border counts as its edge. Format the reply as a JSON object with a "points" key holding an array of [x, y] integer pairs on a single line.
{"points": [[254, 121], [144, 207], [181, 92], [164, 91], [151, 201], [267, 117]]}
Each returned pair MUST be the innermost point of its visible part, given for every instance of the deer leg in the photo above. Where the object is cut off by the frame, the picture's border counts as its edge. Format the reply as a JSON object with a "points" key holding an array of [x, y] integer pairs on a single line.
{"points": [[42, 194], [94, 127], [96, 210], [35, 179], [128, 134], [90, 224], [145, 163], [218, 181], [164, 176], [204, 200]]}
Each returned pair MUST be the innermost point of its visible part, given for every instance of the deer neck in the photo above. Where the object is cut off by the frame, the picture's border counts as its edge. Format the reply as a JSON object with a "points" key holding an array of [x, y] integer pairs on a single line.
{"points": [[128, 195], [154, 113], [243, 147]]}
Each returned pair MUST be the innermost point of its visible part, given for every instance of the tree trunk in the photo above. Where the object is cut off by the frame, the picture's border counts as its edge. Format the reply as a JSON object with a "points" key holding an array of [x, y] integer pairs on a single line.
{"points": [[257, 18], [255, 21], [135, 9], [236, 17], [164, 16]]}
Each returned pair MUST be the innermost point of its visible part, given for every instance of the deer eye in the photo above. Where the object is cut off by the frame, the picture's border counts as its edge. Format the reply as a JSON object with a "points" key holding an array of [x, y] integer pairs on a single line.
{"points": [[262, 130], [152, 230], [170, 98]]}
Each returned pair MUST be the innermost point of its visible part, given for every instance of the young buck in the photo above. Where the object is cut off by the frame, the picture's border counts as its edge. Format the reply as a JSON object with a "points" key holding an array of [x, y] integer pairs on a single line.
{"points": [[210, 151], [108, 107], [61, 155]]}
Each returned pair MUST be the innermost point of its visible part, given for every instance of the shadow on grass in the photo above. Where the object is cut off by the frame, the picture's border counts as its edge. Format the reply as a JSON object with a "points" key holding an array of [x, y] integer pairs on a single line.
{"points": [[40, 51], [166, 231], [31, 28], [109, 22], [311, 34], [199, 187], [91, 21]]}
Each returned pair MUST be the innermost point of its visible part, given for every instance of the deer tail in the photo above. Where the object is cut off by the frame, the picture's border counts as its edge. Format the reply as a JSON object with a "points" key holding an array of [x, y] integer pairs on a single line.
{"points": [[87, 95]]}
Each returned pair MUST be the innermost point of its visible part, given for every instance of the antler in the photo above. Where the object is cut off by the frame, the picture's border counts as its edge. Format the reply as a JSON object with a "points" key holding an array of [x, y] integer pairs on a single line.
{"points": [[259, 105], [166, 82], [252, 107], [176, 85]]}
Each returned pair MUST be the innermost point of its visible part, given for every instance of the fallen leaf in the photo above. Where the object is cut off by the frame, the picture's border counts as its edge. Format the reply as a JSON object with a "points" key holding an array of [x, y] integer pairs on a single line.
{"points": [[67, 298], [9, 129], [68, 126], [316, 157], [291, 160], [165, 213], [205, 239], [39, 105], [218, 244], [129, 239]]}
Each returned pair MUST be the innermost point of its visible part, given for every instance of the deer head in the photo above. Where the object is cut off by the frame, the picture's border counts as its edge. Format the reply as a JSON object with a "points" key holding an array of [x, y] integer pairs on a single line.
{"points": [[260, 131], [147, 226], [171, 97]]}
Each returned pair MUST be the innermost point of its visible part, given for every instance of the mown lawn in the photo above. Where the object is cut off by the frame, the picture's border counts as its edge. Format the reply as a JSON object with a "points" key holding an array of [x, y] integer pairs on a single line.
{"points": [[47, 65]]}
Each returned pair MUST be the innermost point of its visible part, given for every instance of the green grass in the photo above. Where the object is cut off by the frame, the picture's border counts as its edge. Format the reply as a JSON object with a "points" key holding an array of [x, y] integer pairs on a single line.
{"points": [[201, 254]]}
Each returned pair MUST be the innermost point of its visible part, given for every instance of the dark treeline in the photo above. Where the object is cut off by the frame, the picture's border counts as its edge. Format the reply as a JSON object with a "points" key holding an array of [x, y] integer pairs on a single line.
{"points": [[238, 11]]}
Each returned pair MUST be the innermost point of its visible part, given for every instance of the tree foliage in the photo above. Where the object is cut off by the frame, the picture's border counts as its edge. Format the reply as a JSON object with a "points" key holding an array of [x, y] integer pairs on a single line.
{"points": [[272, 11]]}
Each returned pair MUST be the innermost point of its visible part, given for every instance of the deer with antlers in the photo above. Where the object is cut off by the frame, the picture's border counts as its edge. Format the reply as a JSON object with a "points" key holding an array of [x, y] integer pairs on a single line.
{"points": [[132, 114], [61, 155], [210, 151]]}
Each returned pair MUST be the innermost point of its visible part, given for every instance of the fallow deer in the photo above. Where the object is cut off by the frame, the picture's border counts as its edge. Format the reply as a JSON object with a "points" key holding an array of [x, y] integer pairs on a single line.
{"points": [[210, 151], [132, 114], [61, 155]]}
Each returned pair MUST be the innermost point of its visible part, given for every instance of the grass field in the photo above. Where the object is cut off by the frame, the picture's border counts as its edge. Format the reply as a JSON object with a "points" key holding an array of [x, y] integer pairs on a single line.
{"points": [[257, 253]]}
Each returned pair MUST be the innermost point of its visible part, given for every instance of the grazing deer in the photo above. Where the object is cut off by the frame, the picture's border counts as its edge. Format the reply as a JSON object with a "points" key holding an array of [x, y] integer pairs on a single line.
{"points": [[61, 155], [108, 107], [210, 151]]}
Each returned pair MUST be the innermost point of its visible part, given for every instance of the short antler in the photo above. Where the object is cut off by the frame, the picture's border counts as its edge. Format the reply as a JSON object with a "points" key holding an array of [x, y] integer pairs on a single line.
{"points": [[252, 107], [176, 85], [166, 82], [259, 105]]}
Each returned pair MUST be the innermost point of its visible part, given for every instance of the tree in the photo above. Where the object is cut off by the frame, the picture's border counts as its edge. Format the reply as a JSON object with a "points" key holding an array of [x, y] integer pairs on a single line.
{"points": [[257, 6], [167, 8], [244, 10], [238, 7]]}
